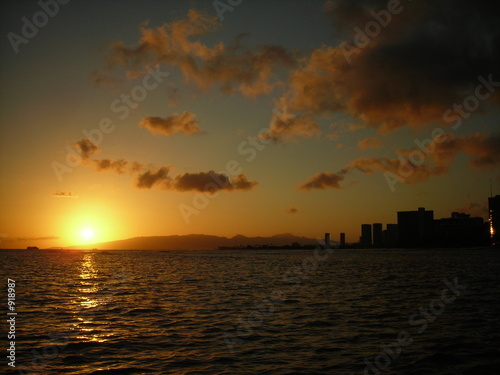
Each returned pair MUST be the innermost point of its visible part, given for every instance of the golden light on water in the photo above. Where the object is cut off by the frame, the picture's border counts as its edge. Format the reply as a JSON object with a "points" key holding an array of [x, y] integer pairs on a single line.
{"points": [[88, 301], [88, 285]]}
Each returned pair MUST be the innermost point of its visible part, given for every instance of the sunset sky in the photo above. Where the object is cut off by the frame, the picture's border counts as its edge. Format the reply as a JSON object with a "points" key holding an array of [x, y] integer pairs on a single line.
{"points": [[117, 114]]}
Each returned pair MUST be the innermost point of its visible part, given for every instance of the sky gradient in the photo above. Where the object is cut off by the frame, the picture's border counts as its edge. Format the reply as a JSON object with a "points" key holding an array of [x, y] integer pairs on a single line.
{"points": [[116, 115]]}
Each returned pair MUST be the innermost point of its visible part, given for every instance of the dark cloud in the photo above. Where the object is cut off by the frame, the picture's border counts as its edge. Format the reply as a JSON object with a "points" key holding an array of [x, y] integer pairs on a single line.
{"points": [[483, 150], [149, 178], [184, 123], [292, 210], [119, 166], [323, 181], [211, 182], [428, 57], [86, 148]]}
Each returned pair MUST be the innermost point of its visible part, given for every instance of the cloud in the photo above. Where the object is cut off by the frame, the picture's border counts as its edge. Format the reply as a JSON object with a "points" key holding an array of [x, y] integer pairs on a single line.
{"points": [[241, 183], [211, 182], [415, 166], [427, 58], [282, 128], [322, 181], [179, 44], [292, 210], [119, 166], [147, 176], [369, 143], [483, 150], [86, 148], [408, 74], [64, 194], [177, 123]]}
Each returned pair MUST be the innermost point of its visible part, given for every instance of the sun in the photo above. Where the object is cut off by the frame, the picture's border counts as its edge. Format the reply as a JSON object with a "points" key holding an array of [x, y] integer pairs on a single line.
{"points": [[88, 233]]}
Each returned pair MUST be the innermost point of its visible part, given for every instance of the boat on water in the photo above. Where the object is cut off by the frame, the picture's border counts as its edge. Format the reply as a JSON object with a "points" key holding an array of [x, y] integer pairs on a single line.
{"points": [[32, 248]]}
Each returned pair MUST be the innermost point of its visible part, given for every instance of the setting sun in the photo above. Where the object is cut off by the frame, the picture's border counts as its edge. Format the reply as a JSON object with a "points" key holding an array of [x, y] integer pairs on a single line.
{"points": [[88, 233]]}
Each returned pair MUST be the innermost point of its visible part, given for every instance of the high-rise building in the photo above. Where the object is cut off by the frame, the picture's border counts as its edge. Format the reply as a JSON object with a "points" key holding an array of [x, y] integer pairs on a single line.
{"points": [[461, 230], [327, 241], [416, 228], [366, 235], [494, 219], [342, 240], [378, 237], [391, 235]]}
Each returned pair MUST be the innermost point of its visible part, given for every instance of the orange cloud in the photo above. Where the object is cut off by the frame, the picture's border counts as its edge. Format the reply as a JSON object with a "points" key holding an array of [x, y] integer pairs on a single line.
{"points": [[416, 165], [323, 181], [184, 123], [232, 68], [283, 128]]}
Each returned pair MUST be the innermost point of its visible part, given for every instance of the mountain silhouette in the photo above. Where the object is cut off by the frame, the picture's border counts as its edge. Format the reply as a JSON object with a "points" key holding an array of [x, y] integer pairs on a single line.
{"points": [[197, 242]]}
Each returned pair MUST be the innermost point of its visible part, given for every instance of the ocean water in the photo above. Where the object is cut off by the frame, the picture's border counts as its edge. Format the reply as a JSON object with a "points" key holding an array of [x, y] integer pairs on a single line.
{"points": [[253, 312]]}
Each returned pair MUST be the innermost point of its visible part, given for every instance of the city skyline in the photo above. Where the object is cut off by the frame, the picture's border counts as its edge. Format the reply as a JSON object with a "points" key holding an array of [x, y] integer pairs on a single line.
{"points": [[173, 118]]}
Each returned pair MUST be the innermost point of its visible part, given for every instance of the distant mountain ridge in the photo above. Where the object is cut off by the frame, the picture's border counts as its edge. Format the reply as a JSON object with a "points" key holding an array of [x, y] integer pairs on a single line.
{"points": [[196, 242]]}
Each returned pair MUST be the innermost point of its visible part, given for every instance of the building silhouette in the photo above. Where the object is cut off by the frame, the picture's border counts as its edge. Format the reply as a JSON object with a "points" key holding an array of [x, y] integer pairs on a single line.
{"points": [[378, 235], [419, 229], [342, 240], [461, 230], [415, 228], [327, 241], [366, 235], [494, 219], [391, 235]]}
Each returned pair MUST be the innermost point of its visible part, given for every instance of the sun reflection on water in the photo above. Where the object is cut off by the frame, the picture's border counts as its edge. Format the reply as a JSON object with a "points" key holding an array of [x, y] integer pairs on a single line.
{"points": [[88, 302]]}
